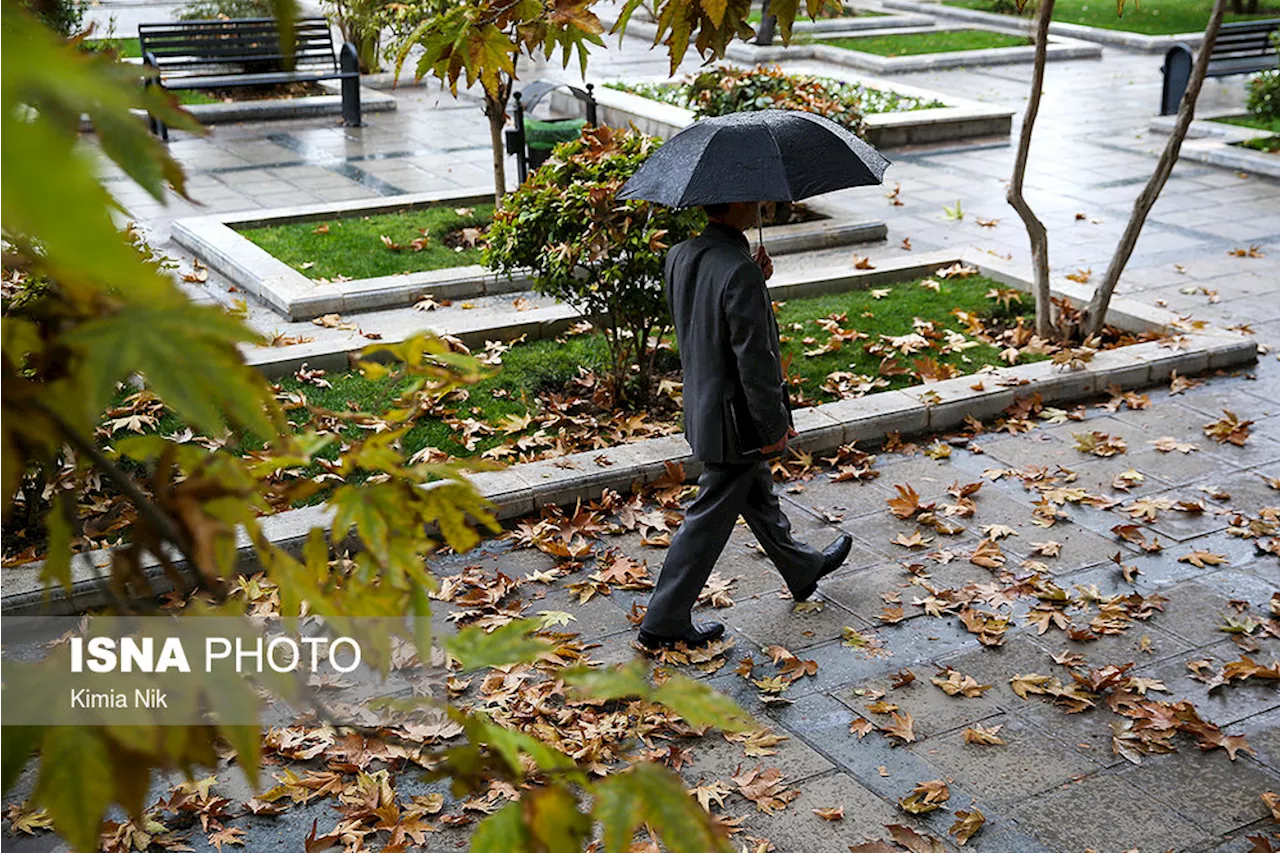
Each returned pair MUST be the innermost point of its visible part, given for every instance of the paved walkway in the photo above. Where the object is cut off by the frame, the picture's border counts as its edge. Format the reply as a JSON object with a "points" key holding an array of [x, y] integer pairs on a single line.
{"points": [[1056, 785]]}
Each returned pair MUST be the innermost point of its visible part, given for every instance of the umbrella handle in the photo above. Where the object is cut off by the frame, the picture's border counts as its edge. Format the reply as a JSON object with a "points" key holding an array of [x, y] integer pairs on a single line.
{"points": [[759, 225]]}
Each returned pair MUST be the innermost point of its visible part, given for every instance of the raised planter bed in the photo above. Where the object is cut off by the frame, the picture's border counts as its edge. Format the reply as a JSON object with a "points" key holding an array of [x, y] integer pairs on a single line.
{"points": [[1098, 35], [959, 119], [938, 406], [1059, 48], [1218, 144], [216, 240]]}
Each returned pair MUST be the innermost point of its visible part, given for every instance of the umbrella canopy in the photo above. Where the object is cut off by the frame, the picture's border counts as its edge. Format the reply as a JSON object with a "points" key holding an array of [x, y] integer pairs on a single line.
{"points": [[766, 155]]}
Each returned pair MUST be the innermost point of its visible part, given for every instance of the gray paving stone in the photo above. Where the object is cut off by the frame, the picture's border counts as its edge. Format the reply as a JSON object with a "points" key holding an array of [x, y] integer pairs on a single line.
{"points": [[935, 712], [714, 758], [848, 499], [1263, 734], [1105, 812], [1182, 526], [1034, 448], [1142, 644], [862, 590], [1196, 611], [824, 722], [1020, 654], [1186, 468], [1225, 706], [877, 532], [768, 619], [1217, 794], [1005, 776], [1081, 548], [798, 828]]}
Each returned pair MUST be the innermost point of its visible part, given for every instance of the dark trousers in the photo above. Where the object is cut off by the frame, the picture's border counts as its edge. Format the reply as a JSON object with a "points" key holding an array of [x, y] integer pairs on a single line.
{"points": [[724, 493]]}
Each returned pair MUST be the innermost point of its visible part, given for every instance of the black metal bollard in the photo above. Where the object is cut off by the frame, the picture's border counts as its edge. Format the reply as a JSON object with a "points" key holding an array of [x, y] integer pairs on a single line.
{"points": [[1177, 73], [349, 64]]}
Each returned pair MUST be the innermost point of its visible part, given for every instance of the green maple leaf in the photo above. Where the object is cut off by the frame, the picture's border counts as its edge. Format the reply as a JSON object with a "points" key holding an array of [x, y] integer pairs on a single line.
{"points": [[76, 782], [187, 354], [648, 793]]}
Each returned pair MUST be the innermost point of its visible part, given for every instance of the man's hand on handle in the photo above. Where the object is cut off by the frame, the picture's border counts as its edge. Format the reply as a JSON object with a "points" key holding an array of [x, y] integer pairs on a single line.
{"points": [[781, 444], [764, 262]]}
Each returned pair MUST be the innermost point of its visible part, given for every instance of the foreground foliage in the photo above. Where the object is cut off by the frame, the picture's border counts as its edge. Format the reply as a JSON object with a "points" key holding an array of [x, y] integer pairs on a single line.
{"points": [[85, 310]]}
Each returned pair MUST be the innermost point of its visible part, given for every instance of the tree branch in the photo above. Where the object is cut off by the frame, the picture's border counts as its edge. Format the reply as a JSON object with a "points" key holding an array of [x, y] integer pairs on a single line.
{"points": [[161, 523], [1035, 228], [1095, 315]]}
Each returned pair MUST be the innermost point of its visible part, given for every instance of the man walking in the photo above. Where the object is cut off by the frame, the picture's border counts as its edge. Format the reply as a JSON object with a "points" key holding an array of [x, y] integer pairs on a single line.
{"points": [[736, 417]]}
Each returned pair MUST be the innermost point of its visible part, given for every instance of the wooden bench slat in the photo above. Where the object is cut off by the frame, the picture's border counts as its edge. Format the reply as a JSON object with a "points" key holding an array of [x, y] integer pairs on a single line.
{"points": [[238, 80]]}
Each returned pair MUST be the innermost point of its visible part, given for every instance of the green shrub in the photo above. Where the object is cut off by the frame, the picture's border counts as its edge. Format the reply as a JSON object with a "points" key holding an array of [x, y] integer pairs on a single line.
{"points": [[65, 17], [1263, 100], [721, 91], [600, 256]]}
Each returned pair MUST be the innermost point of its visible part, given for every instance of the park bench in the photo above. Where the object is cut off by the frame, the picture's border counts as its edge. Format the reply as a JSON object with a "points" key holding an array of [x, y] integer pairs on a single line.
{"points": [[220, 54], [1242, 47]]}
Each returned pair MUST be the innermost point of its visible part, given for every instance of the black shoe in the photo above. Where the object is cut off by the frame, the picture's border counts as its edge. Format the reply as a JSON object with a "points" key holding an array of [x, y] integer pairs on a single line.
{"points": [[832, 559], [700, 636]]}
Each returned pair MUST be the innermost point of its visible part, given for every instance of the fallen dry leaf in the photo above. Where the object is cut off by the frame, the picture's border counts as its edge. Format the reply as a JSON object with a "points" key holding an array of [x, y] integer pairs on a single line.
{"points": [[966, 825], [984, 736]]}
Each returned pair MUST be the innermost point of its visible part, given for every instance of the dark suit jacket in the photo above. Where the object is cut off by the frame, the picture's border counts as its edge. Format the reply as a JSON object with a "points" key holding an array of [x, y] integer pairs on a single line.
{"points": [[735, 400]]}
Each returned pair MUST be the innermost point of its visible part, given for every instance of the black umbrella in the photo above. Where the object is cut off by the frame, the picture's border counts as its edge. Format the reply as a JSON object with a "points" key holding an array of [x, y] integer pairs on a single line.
{"points": [[767, 155]]}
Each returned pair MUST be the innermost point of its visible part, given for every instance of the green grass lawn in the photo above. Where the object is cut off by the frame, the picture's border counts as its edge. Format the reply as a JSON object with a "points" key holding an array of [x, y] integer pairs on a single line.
{"points": [[127, 48], [1267, 144], [530, 369], [353, 246], [1152, 17], [893, 314], [1269, 125], [912, 44]]}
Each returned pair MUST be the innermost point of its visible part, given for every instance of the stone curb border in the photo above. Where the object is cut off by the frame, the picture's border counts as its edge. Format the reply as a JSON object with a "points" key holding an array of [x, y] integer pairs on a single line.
{"points": [[1212, 142], [1060, 48], [216, 241], [521, 489], [371, 101], [960, 119], [1099, 35]]}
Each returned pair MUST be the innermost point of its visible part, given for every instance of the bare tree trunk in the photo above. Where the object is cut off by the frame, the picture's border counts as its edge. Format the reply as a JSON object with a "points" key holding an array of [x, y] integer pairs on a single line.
{"points": [[497, 120], [1035, 228], [495, 107], [1096, 314]]}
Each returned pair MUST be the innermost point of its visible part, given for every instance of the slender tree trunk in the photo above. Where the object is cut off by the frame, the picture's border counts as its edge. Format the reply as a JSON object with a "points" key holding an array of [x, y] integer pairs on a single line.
{"points": [[497, 113], [495, 107], [1096, 314], [1035, 228]]}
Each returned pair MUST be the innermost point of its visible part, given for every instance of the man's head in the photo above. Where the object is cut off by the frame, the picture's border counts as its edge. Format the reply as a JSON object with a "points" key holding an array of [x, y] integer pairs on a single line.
{"points": [[735, 214]]}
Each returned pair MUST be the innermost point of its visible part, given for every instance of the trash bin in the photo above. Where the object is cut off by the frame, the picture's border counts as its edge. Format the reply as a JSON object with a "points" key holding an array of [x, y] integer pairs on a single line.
{"points": [[531, 140]]}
